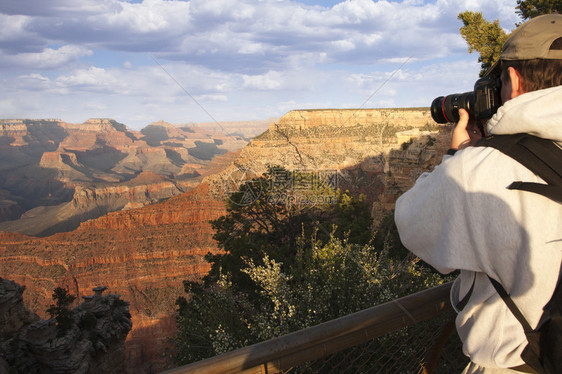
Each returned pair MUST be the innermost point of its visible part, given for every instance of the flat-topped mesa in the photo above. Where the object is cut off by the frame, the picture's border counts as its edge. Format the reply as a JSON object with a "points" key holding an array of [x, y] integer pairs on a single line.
{"points": [[22, 121], [14, 130], [349, 118], [58, 160], [95, 125], [102, 122], [17, 131], [11, 125], [334, 138], [24, 124]]}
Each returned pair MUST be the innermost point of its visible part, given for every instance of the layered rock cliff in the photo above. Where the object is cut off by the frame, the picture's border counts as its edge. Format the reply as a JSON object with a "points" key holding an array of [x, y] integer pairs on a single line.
{"points": [[142, 254], [333, 139], [90, 202], [55, 175], [375, 152]]}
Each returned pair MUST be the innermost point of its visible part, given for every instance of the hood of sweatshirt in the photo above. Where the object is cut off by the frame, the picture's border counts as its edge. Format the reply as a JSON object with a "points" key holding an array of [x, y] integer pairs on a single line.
{"points": [[537, 113]]}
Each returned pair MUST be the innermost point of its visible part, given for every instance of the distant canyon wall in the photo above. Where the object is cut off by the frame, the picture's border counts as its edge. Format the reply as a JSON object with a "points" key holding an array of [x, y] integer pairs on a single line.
{"points": [[55, 174]]}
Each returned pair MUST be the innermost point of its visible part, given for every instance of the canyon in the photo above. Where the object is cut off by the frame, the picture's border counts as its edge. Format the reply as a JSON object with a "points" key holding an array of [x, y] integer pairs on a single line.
{"points": [[55, 175], [141, 254], [144, 252]]}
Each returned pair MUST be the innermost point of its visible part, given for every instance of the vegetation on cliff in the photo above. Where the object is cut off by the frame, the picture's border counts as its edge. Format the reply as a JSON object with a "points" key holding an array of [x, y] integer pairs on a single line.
{"points": [[60, 311], [287, 208], [289, 266]]}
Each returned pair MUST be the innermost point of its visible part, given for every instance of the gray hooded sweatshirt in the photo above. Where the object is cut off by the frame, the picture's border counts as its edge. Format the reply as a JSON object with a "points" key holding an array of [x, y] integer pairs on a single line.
{"points": [[461, 216]]}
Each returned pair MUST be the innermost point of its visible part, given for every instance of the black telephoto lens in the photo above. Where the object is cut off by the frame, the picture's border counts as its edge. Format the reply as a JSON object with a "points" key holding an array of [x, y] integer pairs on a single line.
{"points": [[437, 110], [446, 109]]}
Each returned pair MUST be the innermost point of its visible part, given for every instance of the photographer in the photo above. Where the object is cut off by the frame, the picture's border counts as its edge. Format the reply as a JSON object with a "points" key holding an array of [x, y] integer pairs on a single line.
{"points": [[462, 216]]}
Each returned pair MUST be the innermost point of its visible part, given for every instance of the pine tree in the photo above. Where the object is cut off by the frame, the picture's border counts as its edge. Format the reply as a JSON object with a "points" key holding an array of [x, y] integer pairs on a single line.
{"points": [[487, 37], [528, 9], [482, 36], [61, 309]]}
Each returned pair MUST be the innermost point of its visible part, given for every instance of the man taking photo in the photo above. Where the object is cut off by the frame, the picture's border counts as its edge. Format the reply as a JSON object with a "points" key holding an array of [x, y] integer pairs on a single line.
{"points": [[463, 216]]}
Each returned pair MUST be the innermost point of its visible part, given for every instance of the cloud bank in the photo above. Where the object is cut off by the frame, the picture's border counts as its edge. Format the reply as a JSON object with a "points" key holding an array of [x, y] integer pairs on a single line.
{"points": [[141, 61]]}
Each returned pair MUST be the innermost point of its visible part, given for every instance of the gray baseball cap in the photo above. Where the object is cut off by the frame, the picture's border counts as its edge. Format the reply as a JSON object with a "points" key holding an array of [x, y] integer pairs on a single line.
{"points": [[531, 40]]}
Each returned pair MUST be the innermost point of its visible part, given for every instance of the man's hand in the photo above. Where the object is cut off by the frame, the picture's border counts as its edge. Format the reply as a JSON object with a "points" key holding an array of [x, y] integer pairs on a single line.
{"points": [[466, 132]]}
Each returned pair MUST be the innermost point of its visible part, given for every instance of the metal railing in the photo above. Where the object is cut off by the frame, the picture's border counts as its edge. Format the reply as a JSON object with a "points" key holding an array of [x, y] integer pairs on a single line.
{"points": [[402, 335]]}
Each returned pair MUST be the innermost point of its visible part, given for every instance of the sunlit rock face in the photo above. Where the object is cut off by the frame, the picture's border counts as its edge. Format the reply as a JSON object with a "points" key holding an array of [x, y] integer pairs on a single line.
{"points": [[375, 152], [142, 254]]}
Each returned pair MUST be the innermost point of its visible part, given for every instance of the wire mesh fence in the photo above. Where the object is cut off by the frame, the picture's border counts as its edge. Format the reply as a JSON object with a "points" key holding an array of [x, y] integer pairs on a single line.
{"points": [[407, 351], [412, 334]]}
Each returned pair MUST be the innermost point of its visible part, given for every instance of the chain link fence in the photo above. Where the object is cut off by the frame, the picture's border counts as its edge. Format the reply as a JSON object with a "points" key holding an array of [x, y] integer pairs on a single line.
{"points": [[413, 334], [404, 351]]}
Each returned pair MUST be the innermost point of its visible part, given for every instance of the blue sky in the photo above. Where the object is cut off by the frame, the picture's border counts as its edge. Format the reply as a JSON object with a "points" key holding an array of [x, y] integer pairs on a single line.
{"points": [[143, 61]]}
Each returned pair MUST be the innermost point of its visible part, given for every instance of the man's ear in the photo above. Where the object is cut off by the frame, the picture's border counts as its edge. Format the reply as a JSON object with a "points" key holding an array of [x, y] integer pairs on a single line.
{"points": [[517, 87]]}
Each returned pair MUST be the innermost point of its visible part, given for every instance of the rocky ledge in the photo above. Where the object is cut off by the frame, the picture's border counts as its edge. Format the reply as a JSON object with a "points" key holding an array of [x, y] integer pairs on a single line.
{"points": [[93, 343]]}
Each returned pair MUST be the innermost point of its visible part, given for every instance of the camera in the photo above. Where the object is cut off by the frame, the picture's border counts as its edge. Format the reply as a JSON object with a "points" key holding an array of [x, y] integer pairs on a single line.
{"points": [[481, 103]]}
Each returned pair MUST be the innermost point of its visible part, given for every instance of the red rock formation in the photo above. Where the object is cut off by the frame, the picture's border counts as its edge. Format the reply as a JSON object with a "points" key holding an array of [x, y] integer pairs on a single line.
{"points": [[14, 132], [143, 255], [361, 145], [47, 163]]}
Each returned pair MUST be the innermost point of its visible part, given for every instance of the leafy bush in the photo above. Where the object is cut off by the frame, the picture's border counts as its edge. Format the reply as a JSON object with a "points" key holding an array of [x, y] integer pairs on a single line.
{"points": [[285, 268], [277, 222], [326, 281]]}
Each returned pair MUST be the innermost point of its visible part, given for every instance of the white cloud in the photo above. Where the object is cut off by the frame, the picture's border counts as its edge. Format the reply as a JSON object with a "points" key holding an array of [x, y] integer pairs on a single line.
{"points": [[91, 78], [34, 77], [55, 7], [222, 98], [12, 26], [147, 17], [270, 81], [343, 45], [172, 83], [48, 58], [226, 35], [252, 48]]}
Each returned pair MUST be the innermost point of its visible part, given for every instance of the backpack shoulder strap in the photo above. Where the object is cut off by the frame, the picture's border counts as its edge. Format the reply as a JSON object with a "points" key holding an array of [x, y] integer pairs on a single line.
{"points": [[542, 156], [511, 305]]}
